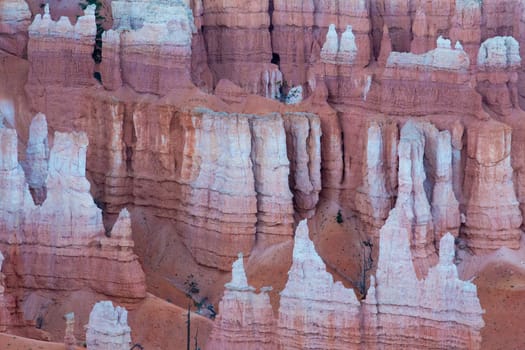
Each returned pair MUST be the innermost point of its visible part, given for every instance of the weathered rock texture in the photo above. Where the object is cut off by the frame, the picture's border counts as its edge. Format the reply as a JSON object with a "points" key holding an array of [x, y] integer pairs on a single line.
{"points": [[69, 338], [444, 311], [68, 64], [438, 312], [150, 45], [493, 218], [245, 319], [314, 311], [108, 328], [240, 161], [238, 43], [15, 18], [405, 90], [43, 242], [37, 158]]}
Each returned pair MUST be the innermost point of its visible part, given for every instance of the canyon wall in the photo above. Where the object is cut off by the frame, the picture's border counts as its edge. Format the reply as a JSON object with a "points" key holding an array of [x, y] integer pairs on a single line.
{"points": [[410, 106]]}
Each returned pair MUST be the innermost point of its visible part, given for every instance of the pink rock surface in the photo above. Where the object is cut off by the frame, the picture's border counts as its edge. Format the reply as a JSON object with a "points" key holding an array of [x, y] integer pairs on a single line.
{"points": [[493, 218], [245, 319], [68, 65], [447, 319], [313, 304], [150, 44], [66, 230], [15, 18]]}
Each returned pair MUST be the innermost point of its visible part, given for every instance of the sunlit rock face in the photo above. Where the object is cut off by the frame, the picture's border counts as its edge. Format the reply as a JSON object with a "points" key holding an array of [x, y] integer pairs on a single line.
{"points": [[245, 319], [108, 328], [65, 230], [15, 18]]}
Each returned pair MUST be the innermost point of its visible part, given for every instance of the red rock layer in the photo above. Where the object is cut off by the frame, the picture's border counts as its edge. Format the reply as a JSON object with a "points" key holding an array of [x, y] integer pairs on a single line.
{"points": [[493, 217], [68, 64], [146, 50], [238, 42], [236, 163]]}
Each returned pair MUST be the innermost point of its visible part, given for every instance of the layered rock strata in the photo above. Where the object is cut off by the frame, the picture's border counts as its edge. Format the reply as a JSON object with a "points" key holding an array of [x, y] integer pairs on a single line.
{"points": [[340, 67], [299, 28], [239, 161], [493, 217], [238, 43], [15, 19], [42, 242], [438, 312], [70, 63], [444, 310], [245, 319], [405, 90], [108, 328], [315, 312], [149, 45]]}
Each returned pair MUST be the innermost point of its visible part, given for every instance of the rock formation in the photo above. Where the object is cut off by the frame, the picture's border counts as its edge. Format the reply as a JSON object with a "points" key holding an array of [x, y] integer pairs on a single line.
{"points": [[239, 160], [69, 339], [238, 42], [37, 158], [68, 65], [315, 312], [493, 218], [441, 310], [362, 106], [108, 328], [449, 70], [245, 319], [498, 63], [65, 229], [150, 43], [374, 196], [15, 18], [442, 307]]}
